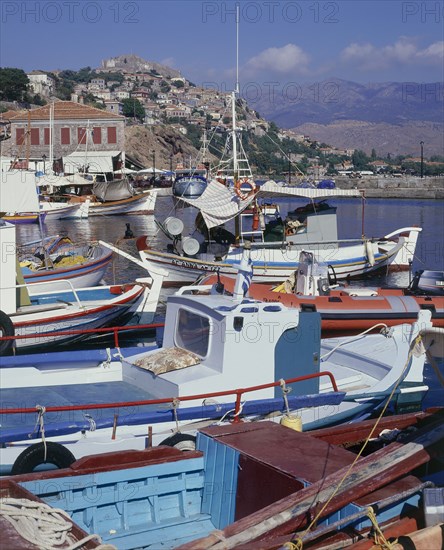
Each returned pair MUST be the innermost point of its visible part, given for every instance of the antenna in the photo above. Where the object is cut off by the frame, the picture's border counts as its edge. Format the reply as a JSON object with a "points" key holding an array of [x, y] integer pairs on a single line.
{"points": [[237, 49]]}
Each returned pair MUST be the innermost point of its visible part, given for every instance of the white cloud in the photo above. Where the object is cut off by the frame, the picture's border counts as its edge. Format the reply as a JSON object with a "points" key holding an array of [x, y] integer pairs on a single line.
{"points": [[403, 51], [286, 60], [435, 52]]}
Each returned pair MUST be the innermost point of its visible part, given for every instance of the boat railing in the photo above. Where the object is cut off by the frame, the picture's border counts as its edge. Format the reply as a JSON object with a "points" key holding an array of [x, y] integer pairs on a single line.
{"points": [[57, 282], [175, 401], [284, 243], [107, 330]]}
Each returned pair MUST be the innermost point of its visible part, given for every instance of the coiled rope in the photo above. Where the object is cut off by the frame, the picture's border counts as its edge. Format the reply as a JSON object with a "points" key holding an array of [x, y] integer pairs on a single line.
{"points": [[46, 527]]}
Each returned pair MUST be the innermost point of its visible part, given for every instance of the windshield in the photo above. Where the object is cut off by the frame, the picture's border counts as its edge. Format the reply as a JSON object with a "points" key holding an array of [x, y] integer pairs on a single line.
{"points": [[192, 332]]}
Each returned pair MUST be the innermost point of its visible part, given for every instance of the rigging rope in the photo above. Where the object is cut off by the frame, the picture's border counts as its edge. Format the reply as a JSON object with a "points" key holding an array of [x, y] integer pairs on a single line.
{"points": [[298, 544]]}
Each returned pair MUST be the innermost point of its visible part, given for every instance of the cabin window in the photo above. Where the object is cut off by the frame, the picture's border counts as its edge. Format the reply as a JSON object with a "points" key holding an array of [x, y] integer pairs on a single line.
{"points": [[192, 332]]}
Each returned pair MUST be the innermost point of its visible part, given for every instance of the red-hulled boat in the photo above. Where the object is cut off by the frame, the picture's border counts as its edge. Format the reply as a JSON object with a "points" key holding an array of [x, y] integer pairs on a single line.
{"points": [[348, 309]]}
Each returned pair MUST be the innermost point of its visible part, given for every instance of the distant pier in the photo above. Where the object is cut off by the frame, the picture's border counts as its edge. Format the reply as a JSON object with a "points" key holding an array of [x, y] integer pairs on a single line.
{"points": [[390, 187]]}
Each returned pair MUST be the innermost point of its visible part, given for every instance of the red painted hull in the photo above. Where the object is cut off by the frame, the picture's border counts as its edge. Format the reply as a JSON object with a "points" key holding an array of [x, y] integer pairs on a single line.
{"points": [[343, 312]]}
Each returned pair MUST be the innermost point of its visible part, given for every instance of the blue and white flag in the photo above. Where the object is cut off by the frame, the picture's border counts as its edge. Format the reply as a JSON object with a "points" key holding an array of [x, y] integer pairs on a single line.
{"points": [[244, 276]]}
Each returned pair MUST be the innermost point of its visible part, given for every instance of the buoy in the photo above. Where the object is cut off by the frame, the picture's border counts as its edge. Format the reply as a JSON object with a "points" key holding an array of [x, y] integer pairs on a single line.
{"points": [[369, 253], [292, 422], [255, 219]]}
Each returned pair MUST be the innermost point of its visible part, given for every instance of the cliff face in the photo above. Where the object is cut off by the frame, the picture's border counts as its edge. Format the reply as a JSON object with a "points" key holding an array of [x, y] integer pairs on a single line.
{"points": [[164, 141]]}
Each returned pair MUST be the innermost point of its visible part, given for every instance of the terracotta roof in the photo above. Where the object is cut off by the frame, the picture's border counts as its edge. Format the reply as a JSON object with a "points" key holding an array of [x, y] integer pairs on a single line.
{"points": [[64, 110], [7, 115]]}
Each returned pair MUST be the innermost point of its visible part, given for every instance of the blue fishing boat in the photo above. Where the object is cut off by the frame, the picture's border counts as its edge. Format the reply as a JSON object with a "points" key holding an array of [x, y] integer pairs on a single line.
{"points": [[237, 487]]}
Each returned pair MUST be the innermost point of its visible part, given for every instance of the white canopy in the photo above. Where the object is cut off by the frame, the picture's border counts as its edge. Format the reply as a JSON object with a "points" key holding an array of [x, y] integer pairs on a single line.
{"points": [[97, 162], [151, 170], [60, 181], [271, 189], [18, 192], [218, 204]]}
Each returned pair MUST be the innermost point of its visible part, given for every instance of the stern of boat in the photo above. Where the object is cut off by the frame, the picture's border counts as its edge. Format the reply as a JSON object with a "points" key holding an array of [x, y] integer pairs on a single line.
{"points": [[407, 240]]}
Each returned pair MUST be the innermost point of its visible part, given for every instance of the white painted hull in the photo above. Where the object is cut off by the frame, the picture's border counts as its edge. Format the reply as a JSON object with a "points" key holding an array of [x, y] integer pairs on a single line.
{"points": [[143, 204], [271, 265], [64, 211]]}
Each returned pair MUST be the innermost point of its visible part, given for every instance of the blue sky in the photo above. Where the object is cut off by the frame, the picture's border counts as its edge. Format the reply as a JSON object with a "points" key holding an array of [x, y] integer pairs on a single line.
{"points": [[280, 41]]}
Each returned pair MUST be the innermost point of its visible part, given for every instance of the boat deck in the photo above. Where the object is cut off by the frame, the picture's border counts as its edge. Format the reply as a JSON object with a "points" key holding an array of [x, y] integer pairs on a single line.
{"points": [[66, 395]]}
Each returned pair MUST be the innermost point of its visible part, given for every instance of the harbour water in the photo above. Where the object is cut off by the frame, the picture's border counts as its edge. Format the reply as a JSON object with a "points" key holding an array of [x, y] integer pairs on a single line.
{"points": [[381, 216]]}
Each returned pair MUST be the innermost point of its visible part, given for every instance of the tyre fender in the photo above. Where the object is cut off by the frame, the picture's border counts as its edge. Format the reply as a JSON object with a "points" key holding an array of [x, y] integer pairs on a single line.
{"points": [[183, 442], [6, 329], [34, 456]]}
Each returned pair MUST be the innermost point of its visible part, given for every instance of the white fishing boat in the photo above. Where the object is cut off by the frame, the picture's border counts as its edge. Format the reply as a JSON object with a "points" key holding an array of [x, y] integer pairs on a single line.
{"points": [[212, 345], [276, 242], [64, 211], [104, 197]]}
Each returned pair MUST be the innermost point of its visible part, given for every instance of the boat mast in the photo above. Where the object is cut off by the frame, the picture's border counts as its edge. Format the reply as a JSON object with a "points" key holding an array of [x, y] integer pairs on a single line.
{"points": [[234, 94], [51, 137]]}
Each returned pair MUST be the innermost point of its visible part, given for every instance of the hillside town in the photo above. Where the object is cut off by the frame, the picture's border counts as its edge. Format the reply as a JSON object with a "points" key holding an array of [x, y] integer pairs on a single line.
{"points": [[127, 93]]}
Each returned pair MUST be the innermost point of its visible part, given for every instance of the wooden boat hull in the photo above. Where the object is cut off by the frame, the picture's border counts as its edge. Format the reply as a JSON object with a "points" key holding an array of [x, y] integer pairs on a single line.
{"points": [[65, 211], [273, 264], [64, 311], [21, 219], [88, 272], [238, 478], [143, 203]]}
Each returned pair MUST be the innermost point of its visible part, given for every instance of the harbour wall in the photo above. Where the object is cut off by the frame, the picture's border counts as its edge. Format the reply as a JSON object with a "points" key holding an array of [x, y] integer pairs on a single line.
{"points": [[403, 187]]}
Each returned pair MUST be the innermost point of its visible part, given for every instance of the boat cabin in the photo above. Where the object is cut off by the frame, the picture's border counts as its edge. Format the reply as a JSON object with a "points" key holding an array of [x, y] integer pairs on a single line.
{"points": [[313, 222], [222, 340]]}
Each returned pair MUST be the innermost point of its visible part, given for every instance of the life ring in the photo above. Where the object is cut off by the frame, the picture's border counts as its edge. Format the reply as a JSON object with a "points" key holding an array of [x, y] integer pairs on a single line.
{"points": [[244, 195], [33, 456], [182, 442], [6, 329]]}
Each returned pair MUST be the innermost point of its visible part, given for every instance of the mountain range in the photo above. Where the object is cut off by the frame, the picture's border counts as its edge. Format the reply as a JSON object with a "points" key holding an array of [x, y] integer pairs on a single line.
{"points": [[390, 117]]}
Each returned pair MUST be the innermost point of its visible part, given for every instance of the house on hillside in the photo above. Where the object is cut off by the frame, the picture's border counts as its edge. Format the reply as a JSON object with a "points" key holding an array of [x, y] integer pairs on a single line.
{"points": [[41, 83], [76, 127]]}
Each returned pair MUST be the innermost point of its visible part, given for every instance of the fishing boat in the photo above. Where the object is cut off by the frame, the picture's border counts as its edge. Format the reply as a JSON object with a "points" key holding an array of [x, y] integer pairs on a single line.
{"points": [[67, 315], [32, 316], [276, 240], [238, 489], [64, 211], [212, 345], [20, 218], [346, 308], [105, 197], [58, 258], [189, 184]]}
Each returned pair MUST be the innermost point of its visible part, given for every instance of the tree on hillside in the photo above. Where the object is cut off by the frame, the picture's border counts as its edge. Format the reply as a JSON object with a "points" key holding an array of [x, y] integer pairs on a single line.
{"points": [[360, 160], [132, 108], [13, 84]]}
